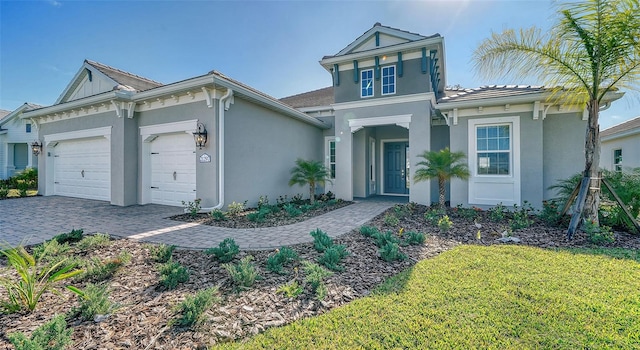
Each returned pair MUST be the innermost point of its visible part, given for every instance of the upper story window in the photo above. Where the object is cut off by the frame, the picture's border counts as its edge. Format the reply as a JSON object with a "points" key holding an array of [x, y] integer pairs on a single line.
{"points": [[493, 149], [389, 80], [366, 83], [617, 160], [28, 128]]}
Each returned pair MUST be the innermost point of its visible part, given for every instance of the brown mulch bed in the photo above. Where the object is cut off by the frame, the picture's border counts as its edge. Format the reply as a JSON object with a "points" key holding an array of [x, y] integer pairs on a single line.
{"points": [[279, 218], [146, 307]]}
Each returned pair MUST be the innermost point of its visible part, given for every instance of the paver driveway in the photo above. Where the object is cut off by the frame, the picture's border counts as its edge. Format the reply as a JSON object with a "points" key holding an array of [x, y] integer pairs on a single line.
{"points": [[35, 219]]}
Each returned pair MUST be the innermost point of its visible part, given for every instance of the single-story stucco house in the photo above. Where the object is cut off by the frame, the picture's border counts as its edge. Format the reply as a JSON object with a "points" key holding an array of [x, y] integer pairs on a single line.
{"points": [[16, 136], [118, 137], [620, 146]]}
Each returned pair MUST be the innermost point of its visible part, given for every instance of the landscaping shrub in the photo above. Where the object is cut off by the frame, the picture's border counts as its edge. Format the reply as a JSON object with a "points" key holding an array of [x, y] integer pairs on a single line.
{"points": [[497, 213], [315, 276], [34, 278], [260, 215], [391, 220], [98, 270], [50, 251], [521, 217], [71, 237], [292, 210], [172, 274], [369, 231], [52, 335], [321, 241], [192, 207], [445, 224], [400, 211], [598, 235], [94, 300], [468, 214], [218, 215], [243, 274], [276, 262], [415, 238], [290, 290], [382, 239], [549, 214], [263, 201], [192, 308], [433, 215], [234, 209], [226, 250], [333, 256], [4, 193], [94, 241], [161, 253], [391, 252]]}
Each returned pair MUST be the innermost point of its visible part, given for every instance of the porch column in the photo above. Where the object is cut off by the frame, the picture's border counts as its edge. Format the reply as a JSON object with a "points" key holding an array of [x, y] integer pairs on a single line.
{"points": [[343, 183], [419, 141]]}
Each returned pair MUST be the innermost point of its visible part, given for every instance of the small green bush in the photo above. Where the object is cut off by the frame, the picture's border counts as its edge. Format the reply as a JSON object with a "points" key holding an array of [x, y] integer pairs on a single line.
{"points": [[192, 208], [369, 231], [94, 241], [381, 239], [71, 237], [598, 235], [321, 241], [497, 213], [415, 238], [218, 215], [243, 274], [391, 252], [469, 214], [290, 290], [234, 209], [445, 224], [263, 201], [391, 220], [292, 210], [260, 215], [333, 256], [400, 211], [315, 276], [549, 213], [94, 300], [52, 335], [172, 274], [4, 193], [276, 262], [192, 308], [226, 250], [521, 217], [51, 251], [162, 252], [98, 270], [434, 214]]}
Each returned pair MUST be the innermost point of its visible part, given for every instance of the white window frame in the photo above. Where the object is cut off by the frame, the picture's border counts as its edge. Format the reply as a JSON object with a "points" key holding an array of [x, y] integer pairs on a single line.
{"points": [[617, 166], [489, 189], [373, 85], [327, 158], [395, 80], [509, 151]]}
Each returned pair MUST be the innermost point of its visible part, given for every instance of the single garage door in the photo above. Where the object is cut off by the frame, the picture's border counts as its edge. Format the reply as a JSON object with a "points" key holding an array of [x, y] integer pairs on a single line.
{"points": [[173, 169], [82, 168]]}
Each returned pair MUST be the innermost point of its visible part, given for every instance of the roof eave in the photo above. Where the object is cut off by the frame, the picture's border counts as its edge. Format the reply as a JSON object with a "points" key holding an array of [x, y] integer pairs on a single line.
{"points": [[100, 98], [532, 97], [620, 134]]}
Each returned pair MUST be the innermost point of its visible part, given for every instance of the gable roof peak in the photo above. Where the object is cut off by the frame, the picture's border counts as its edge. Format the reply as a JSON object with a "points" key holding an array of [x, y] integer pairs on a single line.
{"points": [[119, 75]]}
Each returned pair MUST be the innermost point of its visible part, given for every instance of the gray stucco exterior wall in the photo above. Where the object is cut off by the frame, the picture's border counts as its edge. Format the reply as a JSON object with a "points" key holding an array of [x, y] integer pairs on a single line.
{"points": [[261, 147], [439, 141], [413, 81], [563, 149]]}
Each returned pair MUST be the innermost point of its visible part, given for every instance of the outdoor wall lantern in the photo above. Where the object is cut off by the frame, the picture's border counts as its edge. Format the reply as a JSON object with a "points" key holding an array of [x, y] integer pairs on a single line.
{"points": [[200, 136], [36, 148]]}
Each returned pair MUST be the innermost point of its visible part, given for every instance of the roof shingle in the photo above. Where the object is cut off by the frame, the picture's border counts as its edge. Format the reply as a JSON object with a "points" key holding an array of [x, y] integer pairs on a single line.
{"points": [[125, 78], [488, 91], [628, 125], [320, 97]]}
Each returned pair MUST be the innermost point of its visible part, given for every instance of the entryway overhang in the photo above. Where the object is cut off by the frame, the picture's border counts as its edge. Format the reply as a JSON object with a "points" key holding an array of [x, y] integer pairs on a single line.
{"points": [[402, 120]]}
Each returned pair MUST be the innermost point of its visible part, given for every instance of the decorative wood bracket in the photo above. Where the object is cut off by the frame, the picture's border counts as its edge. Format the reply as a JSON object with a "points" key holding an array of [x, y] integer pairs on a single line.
{"points": [[207, 96]]}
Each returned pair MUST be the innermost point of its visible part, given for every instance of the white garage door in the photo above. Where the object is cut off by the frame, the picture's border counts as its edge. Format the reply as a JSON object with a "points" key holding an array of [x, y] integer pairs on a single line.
{"points": [[173, 169], [82, 168]]}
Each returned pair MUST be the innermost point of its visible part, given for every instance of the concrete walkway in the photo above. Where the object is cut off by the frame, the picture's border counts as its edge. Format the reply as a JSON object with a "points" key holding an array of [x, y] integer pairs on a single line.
{"points": [[36, 219]]}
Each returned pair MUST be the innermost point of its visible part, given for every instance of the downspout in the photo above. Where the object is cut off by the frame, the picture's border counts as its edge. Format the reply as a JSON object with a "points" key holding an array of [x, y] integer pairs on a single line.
{"points": [[221, 110]]}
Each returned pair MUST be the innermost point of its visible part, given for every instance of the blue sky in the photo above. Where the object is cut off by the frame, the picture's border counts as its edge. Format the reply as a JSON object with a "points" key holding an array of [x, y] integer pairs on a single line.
{"points": [[273, 46]]}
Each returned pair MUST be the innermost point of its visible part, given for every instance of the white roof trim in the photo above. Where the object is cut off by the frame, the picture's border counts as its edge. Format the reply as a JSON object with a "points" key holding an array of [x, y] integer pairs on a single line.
{"points": [[621, 134], [78, 76], [383, 30], [327, 62], [402, 120]]}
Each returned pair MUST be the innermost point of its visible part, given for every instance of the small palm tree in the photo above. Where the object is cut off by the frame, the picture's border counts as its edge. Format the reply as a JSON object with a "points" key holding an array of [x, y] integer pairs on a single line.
{"points": [[442, 165], [309, 172]]}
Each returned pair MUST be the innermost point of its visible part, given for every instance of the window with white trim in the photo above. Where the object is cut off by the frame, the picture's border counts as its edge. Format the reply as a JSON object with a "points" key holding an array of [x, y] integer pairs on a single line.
{"points": [[366, 83], [389, 80], [330, 151], [617, 160], [28, 128], [493, 149]]}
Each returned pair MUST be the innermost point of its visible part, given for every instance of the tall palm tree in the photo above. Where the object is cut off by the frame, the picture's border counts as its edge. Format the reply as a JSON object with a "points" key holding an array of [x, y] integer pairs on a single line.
{"points": [[309, 172], [591, 50], [442, 165]]}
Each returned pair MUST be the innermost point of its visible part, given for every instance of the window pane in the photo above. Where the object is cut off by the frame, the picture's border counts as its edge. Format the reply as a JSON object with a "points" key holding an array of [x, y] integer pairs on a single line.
{"points": [[503, 144], [492, 144], [333, 171], [482, 132], [492, 131], [503, 131]]}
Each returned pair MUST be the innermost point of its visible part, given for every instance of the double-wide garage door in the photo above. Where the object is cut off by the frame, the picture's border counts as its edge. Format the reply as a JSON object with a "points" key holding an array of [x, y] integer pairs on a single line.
{"points": [[82, 169], [173, 169]]}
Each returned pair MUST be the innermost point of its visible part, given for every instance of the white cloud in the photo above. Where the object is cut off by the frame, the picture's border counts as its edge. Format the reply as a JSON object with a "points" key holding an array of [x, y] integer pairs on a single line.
{"points": [[55, 3]]}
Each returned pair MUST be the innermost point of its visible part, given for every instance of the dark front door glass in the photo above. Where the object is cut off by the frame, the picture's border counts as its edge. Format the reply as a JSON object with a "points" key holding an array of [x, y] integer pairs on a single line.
{"points": [[395, 167]]}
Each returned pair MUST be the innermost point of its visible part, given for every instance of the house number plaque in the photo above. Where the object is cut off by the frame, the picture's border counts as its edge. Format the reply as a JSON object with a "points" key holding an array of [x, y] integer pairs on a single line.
{"points": [[205, 158]]}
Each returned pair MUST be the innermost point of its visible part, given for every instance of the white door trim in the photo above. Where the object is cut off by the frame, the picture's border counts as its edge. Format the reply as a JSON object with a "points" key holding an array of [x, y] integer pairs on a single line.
{"points": [[402, 120]]}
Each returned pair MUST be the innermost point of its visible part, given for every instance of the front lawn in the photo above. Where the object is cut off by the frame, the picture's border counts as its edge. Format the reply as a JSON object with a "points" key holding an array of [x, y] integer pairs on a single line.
{"points": [[486, 297]]}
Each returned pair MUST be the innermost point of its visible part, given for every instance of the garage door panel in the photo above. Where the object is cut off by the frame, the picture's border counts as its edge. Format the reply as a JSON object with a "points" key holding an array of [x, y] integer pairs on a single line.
{"points": [[173, 169], [82, 168]]}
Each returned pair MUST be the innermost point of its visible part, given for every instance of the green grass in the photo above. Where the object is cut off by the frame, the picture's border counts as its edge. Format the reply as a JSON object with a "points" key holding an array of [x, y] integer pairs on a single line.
{"points": [[474, 297]]}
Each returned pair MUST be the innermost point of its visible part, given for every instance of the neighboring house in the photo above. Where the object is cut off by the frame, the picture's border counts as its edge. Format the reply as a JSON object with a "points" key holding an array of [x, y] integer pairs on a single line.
{"points": [[16, 136], [121, 138], [620, 146]]}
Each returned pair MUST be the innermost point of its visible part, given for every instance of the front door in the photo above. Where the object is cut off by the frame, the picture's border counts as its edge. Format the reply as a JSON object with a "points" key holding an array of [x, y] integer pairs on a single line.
{"points": [[395, 167]]}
